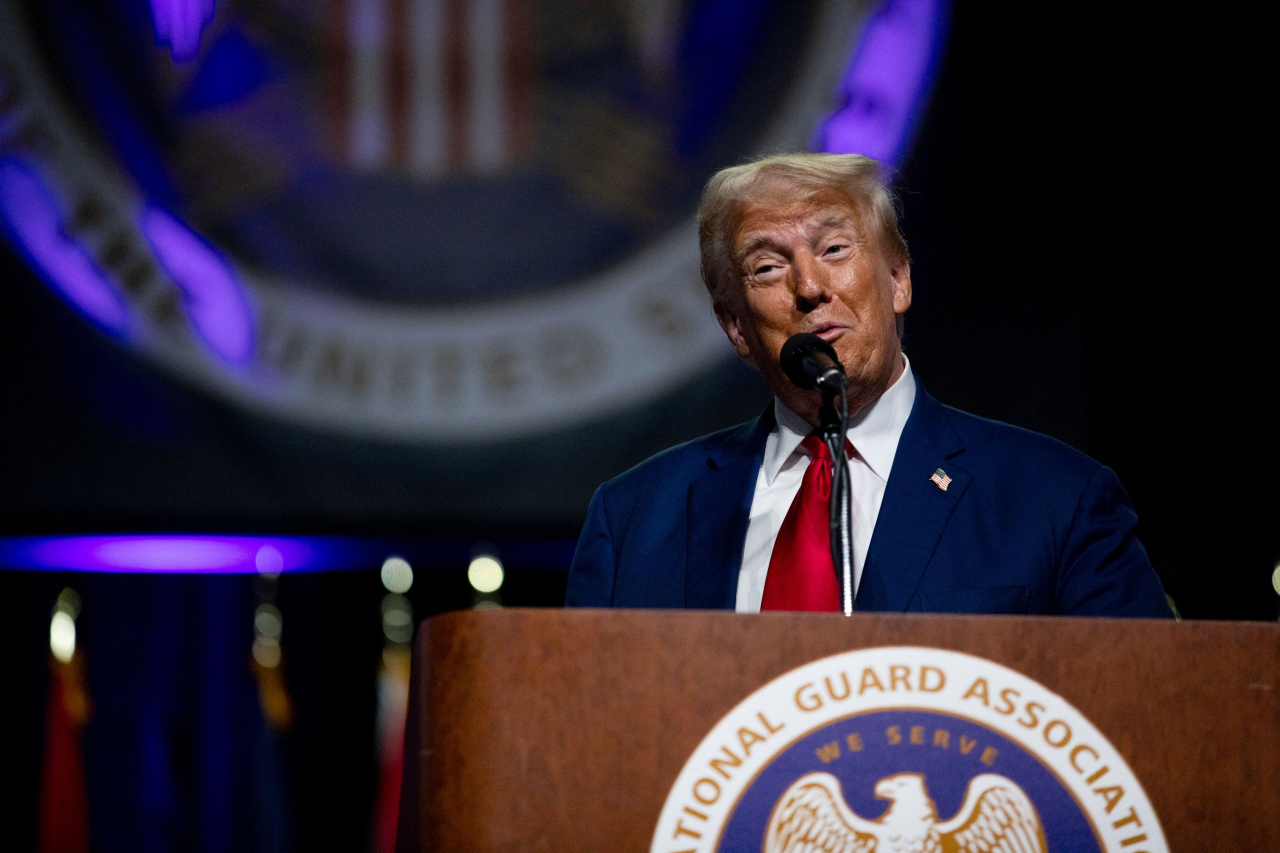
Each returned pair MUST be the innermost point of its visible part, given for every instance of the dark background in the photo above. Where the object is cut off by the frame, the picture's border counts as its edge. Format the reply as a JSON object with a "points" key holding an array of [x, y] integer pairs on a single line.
{"points": [[1085, 204]]}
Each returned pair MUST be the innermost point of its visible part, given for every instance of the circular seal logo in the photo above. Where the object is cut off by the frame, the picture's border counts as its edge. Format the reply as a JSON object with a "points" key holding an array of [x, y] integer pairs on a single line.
{"points": [[910, 750], [418, 219]]}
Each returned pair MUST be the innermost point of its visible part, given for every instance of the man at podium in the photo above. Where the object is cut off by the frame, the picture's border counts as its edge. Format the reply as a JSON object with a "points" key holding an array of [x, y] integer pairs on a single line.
{"points": [[951, 512]]}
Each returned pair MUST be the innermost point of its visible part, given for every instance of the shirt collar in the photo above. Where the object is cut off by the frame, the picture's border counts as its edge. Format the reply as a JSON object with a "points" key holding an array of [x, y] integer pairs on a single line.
{"points": [[873, 432]]}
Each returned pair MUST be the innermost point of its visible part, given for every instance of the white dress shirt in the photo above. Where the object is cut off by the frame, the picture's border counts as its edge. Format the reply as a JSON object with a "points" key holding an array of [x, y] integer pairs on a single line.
{"points": [[874, 434]]}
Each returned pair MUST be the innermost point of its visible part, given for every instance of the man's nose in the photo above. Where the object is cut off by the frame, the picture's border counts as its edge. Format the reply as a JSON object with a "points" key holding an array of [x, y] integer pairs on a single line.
{"points": [[812, 281]]}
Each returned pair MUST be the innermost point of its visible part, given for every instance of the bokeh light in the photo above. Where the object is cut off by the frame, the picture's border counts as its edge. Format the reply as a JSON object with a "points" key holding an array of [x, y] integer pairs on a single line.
{"points": [[266, 651], [397, 619], [485, 573], [397, 575], [62, 636], [267, 620], [269, 560]]}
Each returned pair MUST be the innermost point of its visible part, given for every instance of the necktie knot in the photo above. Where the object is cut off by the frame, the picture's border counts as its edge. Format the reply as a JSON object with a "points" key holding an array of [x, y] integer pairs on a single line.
{"points": [[818, 448]]}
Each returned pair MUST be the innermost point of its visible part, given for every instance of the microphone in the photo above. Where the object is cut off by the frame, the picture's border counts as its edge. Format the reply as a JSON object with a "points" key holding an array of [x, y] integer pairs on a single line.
{"points": [[811, 363]]}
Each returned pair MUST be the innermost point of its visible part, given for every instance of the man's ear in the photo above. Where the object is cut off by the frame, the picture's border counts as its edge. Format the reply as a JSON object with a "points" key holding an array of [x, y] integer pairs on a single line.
{"points": [[901, 288], [727, 317]]}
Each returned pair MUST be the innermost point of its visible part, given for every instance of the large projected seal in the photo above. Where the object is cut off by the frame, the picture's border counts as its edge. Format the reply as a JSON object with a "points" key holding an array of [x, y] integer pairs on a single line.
{"points": [[417, 219]]}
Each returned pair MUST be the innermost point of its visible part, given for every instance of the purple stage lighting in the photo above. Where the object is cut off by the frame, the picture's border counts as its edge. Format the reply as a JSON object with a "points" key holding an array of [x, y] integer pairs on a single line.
{"points": [[182, 554], [888, 80], [30, 215], [179, 24], [213, 296]]}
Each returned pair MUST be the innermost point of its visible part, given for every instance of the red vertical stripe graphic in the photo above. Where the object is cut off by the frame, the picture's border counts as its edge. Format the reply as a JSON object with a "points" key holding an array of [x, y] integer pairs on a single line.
{"points": [[398, 88], [64, 800], [335, 80], [519, 76], [457, 76]]}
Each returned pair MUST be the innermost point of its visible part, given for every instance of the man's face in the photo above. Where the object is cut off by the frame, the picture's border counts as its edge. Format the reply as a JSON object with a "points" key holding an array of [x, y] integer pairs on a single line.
{"points": [[809, 266]]}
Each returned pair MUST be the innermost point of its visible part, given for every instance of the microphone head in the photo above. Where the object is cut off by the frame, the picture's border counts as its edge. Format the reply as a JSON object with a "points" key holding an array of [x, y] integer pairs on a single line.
{"points": [[808, 360]]}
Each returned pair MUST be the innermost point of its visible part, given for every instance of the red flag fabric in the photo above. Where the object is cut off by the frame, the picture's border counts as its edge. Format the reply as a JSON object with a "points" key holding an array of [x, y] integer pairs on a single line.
{"points": [[64, 800], [393, 706]]}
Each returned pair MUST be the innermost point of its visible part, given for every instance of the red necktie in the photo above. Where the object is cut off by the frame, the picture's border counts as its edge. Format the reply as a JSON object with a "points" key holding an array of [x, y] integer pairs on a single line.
{"points": [[801, 574]]}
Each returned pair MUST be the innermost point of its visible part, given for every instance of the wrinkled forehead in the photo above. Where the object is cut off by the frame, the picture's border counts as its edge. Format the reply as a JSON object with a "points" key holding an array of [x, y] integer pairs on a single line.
{"points": [[763, 220]]}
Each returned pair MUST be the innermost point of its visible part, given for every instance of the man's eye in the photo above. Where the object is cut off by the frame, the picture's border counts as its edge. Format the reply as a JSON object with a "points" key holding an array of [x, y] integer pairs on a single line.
{"points": [[767, 268], [833, 249]]}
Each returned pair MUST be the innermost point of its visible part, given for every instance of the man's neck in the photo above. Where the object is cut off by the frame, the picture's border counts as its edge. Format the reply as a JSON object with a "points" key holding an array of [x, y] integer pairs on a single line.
{"points": [[874, 431], [807, 404]]}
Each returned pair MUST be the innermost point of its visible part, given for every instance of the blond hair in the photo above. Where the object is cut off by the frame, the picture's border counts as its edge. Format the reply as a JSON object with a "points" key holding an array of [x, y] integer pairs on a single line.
{"points": [[794, 177]]}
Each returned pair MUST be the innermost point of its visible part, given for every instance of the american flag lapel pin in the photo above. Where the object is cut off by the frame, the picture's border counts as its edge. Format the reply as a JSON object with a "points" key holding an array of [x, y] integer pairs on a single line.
{"points": [[941, 479]]}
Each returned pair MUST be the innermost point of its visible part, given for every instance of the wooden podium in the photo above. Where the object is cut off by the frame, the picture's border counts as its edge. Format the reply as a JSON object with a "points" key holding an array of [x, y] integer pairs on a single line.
{"points": [[548, 730]]}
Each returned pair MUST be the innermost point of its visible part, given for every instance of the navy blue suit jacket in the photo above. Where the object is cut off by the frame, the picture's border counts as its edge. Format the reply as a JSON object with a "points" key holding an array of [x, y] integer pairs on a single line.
{"points": [[1027, 525]]}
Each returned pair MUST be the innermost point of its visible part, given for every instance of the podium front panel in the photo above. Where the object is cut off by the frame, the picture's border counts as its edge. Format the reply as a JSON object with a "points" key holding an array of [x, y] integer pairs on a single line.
{"points": [[547, 730]]}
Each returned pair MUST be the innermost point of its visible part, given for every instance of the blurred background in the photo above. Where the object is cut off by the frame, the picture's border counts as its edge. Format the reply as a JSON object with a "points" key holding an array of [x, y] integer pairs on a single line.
{"points": [[321, 317]]}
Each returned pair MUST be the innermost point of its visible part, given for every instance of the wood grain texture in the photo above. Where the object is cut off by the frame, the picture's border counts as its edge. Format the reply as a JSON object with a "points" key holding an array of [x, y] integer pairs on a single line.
{"points": [[544, 730]]}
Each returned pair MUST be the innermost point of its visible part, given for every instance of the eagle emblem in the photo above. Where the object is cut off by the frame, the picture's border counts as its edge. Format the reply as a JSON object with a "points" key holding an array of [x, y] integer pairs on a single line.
{"points": [[812, 817]]}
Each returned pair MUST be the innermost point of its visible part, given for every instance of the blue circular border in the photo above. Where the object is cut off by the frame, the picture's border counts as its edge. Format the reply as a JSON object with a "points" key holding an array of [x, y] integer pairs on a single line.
{"points": [[947, 774]]}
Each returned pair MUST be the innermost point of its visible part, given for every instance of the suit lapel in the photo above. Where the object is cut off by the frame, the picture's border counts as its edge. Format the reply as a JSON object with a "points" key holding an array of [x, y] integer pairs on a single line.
{"points": [[915, 510], [719, 507]]}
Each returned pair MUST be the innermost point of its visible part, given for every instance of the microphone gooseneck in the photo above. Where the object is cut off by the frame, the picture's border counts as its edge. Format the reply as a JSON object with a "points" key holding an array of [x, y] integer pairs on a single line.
{"points": [[812, 364]]}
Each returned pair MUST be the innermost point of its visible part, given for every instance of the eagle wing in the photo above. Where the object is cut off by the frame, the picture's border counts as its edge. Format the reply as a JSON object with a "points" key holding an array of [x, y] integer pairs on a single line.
{"points": [[812, 817], [997, 817]]}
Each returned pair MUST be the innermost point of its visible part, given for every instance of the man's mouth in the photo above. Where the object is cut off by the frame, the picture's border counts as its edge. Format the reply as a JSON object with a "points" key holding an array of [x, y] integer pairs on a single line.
{"points": [[828, 331]]}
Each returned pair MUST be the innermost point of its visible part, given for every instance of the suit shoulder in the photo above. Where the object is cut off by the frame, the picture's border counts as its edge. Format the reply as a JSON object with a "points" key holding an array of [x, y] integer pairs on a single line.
{"points": [[1020, 447], [682, 462]]}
